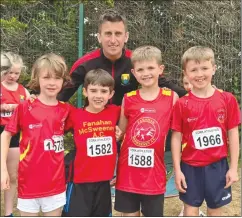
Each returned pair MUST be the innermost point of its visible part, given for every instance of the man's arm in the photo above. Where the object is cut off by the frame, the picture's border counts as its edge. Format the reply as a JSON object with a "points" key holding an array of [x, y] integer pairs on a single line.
{"points": [[163, 82], [77, 79]]}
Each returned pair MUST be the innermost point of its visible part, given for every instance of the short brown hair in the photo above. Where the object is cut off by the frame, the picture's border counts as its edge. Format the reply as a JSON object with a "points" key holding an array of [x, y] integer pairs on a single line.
{"points": [[99, 77], [197, 53], [52, 62], [145, 53], [112, 15]]}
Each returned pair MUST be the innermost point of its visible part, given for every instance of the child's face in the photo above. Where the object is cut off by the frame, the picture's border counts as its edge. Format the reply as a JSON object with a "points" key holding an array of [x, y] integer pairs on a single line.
{"points": [[199, 73], [13, 74], [147, 72], [50, 84], [186, 84], [98, 96]]}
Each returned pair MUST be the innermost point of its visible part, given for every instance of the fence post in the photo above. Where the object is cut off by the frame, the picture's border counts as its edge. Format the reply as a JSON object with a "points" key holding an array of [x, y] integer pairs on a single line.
{"points": [[80, 49]]}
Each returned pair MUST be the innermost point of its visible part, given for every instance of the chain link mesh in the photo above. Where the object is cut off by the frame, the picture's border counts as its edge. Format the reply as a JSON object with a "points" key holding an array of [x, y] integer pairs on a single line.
{"points": [[173, 26]]}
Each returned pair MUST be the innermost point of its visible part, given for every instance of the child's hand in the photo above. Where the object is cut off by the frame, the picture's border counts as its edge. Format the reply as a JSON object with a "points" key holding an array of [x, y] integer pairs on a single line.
{"points": [[180, 181], [231, 177], [113, 181], [4, 180], [32, 97], [118, 133], [5, 107]]}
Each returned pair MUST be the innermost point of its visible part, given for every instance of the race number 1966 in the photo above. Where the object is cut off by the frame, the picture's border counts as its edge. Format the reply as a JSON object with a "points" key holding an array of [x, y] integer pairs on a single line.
{"points": [[207, 138]]}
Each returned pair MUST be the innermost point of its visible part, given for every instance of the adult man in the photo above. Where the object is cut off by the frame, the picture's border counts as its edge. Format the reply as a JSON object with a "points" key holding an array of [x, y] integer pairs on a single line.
{"points": [[112, 57]]}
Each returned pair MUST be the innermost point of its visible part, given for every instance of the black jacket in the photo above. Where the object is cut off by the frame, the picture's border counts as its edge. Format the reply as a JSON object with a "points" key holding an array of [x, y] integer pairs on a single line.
{"points": [[120, 70]]}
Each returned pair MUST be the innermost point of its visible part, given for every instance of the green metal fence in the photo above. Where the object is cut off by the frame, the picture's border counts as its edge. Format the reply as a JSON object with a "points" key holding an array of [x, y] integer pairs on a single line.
{"points": [[36, 27]]}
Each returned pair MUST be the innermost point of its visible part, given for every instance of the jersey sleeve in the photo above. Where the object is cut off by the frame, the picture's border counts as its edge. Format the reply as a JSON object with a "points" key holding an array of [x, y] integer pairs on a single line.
{"points": [[13, 125], [176, 122], [69, 124], [117, 112], [124, 105], [233, 113]]}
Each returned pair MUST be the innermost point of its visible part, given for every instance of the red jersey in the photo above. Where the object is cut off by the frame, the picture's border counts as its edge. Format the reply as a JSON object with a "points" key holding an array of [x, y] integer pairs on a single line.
{"points": [[141, 167], [11, 97], [41, 170], [204, 123], [96, 147]]}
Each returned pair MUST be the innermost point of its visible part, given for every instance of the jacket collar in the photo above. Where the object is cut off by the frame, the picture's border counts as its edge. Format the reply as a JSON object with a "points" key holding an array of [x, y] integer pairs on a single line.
{"points": [[106, 59]]}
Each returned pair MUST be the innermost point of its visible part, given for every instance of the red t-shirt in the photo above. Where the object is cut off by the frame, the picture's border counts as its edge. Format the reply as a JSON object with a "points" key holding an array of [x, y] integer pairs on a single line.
{"points": [[204, 123], [11, 97], [95, 142], [141, 167], [41, 167]]}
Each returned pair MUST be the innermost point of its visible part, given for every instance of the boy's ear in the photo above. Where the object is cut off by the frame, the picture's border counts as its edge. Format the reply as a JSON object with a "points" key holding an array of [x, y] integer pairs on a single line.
{"points": [[84, 91], [132, 71], [111, 94], [162, 67], [214, 69]]}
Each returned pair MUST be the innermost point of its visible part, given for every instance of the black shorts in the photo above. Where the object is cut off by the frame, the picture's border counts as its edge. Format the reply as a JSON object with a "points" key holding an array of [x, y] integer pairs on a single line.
{"points": [[127, 202], [88, 199], [14, 143], [206, 183]]}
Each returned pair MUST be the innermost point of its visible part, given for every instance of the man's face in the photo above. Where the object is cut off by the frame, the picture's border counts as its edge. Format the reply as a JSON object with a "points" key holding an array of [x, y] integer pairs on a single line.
{"points": [[112, 37]]}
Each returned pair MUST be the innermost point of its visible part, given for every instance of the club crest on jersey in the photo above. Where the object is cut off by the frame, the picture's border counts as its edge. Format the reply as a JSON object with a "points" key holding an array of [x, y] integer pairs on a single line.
{"points": [[145, 131], [221, 115], [21, 98], [125, 79]]}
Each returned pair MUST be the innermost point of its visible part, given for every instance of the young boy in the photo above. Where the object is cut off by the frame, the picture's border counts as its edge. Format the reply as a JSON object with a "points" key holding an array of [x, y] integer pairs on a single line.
{"points": [[41, 177], [202, 120], [186, 84], [141, 174], [96, 149]]}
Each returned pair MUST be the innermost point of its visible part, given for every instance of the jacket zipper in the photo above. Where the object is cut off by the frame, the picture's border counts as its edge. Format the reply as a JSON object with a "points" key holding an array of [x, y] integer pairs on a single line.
{"points": [[113, 78]]}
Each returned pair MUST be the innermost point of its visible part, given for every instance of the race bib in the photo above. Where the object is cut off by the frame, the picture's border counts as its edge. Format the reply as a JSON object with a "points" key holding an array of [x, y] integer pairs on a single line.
{"points": [[100, 146], [6, 114], [207, 138], [56, 144], [141, 157]]}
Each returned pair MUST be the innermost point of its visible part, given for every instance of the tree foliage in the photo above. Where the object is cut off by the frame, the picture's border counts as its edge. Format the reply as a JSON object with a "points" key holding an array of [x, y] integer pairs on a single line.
{"points": [[35, 27]]}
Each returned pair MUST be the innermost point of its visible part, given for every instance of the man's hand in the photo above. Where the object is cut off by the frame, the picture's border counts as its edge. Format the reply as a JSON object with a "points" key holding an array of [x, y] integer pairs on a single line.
{"points": [[180, 181], [231, 177]]}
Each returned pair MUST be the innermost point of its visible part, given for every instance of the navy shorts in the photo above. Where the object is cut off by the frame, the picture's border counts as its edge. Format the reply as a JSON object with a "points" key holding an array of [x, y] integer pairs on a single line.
{"points": [[14, 143], [206, 183]]}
